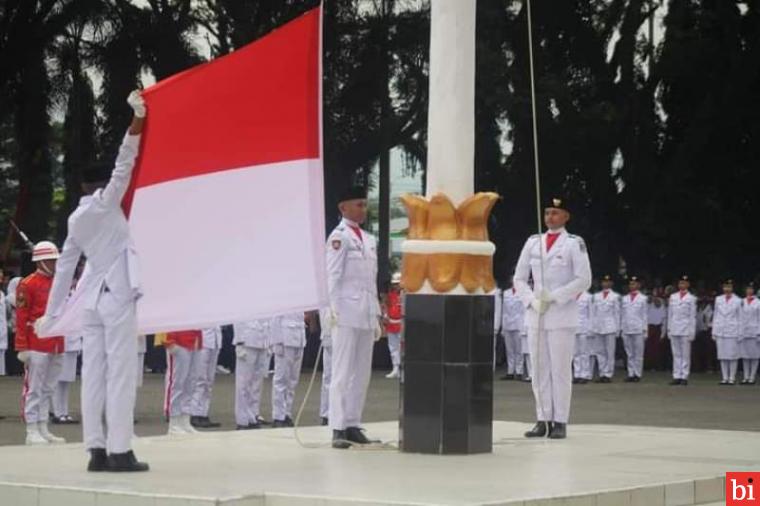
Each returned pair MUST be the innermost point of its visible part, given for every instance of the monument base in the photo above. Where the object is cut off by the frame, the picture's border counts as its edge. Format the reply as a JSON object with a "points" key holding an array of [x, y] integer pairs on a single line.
{"points": [[447, 392]]}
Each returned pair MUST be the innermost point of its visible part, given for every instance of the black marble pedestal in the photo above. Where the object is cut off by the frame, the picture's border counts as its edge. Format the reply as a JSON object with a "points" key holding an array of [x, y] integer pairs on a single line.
{"points": [[447, 388]]}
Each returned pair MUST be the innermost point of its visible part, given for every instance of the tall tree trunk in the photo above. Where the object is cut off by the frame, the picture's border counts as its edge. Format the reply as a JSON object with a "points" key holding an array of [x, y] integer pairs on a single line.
{"points": [[384, 169], [33, 159]]}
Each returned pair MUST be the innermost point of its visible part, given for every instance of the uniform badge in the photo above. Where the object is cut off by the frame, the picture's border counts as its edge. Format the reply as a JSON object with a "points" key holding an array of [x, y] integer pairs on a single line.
{"points": [[582, 244], [336, 244]]}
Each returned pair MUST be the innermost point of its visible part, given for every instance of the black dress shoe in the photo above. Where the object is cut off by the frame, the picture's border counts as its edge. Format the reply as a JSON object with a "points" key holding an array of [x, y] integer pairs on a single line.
{"points": [[675, 382], [55, 420], [538, 430], [558, 431], [582, 381], [636, 379], [125, 463], [356, 435], [724, 383], [508, 377], [250, 426], [98, 460], [339, 440], [279, 424], [630, 379], [197, 422], [684, 382], [324, 421], [209, 424], [261, 421], [605, 379], [68, 420], [289, 422]]}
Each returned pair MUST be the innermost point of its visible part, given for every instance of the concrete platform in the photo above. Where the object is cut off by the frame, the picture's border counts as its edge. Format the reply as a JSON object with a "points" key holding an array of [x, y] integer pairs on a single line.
{"points": [[597, 466]]}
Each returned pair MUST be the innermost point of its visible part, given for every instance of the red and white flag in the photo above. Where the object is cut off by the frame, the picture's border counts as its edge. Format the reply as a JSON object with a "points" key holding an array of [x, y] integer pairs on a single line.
{"points": [[227, 209]]}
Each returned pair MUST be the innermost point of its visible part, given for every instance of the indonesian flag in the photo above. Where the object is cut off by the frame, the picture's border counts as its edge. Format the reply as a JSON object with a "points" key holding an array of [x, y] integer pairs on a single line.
{"points": [[227, 209]]}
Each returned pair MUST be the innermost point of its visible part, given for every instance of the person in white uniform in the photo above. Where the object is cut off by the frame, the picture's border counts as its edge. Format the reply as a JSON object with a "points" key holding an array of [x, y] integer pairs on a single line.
{"points": [[324, 394], [634, 327], [205, 375], [682, 329], [98, 230], [582, 372], [4, 308], [253, 353], [72, 347], [605, 323], [512, 327], [288, 342], [559, 266], [749, 346], [727, 327], [354, 317]]}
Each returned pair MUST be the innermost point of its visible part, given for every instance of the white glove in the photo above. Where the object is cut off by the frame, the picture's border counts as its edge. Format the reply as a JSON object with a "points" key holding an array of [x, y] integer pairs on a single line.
{"points": [[539, 306], [331, 321], [378, 331], [241, 352], [41, 324], [545, 296], [24, 356], [136, 102]]}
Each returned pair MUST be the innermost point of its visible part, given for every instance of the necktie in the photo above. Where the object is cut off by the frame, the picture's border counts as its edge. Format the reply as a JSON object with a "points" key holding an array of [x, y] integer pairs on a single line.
{"points": [[550, 238], [357, 231]]}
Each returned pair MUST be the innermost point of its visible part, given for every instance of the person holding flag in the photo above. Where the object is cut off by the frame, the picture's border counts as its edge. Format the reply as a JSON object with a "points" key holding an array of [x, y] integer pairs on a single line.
{"points": [[108, 292]]}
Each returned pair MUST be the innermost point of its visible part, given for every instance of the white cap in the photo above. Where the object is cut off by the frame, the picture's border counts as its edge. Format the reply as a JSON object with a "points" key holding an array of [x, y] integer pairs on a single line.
{"points": [[396, 278], [45, 250]]}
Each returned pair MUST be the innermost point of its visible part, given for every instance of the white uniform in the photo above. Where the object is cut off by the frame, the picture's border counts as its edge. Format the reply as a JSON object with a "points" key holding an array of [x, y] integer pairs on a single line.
{"points": [[4, 308], [324, 398], [582, 356], [72, 346], [110, 288], [634, 327], [682, 329], [750, 338], [288, 342], [352, 291], [142, 349], [605, 324], [551, 338], [512, 329], [252, 350], [205, 371]]}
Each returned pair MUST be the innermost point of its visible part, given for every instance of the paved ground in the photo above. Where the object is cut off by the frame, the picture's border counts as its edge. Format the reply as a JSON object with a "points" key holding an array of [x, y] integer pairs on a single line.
{"points": [[703, 404]]}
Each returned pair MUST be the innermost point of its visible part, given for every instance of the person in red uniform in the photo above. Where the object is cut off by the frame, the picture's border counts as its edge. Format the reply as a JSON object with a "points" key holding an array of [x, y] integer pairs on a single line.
{"points": [[42, 358], [182, 355], [393, 321]]}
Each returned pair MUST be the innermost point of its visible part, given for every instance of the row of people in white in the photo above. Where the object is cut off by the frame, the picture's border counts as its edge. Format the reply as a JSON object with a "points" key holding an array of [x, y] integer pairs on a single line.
{"points": [[736, 331]]}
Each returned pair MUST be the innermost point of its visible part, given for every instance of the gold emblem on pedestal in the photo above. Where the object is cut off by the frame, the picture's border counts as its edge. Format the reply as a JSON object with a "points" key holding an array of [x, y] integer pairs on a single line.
{"points": [[437, 219]]}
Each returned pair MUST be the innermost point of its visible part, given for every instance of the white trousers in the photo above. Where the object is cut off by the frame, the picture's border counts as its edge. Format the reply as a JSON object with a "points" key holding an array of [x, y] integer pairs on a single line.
{"points": [[680, 346], [67, 376], [181, 368], [287, 372], [513, 346], [581, 357], [140, 368], [351, 370], [40, 379], [749, 365], [109, 382], [205, 373], [249, 377], [551, 355], [2, 362], [324, 398], [394, 347], [603, 348], [634, 351]]}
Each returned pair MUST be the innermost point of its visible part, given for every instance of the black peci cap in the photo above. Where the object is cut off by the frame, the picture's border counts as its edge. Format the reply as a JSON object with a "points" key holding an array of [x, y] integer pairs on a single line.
{"points": [[353, 193], [557, 203], [97, 172]]}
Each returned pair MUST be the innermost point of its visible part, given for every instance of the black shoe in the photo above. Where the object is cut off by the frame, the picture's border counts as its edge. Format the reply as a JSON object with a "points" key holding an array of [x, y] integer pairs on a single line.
{"points": [[582, 381], [605, 379], [724, 383], [684, 382], [325, 421], [576, 381], [279, 424], [247, 427], [339, 440], [636, 379], [261, 421], [629, 379], [558, 430], [356, 435], [528, 379], [289, 422], [125, 463], [538, 430], [508, 377], [210, 424], [67, 420], [55, 420], [98, 460], [746, 382], [675, 382], [197, 422]]}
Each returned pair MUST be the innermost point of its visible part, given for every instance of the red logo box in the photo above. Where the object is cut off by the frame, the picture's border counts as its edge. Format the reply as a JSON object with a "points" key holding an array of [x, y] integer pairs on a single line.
{"points": [[743, 489]]}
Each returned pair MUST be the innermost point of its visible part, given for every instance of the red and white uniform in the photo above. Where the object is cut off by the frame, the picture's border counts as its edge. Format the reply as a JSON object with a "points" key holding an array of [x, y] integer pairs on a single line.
{"points": [[45, 355], [395, 314], [181, 356]]}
